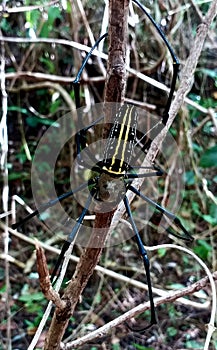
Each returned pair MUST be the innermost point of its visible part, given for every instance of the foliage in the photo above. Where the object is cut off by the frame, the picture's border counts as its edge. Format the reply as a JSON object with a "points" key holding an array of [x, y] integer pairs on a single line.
{"points": [[35, 102]]}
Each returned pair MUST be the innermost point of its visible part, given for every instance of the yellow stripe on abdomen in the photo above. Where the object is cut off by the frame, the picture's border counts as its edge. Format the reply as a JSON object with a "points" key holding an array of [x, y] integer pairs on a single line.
{"points": [[119, 148]]}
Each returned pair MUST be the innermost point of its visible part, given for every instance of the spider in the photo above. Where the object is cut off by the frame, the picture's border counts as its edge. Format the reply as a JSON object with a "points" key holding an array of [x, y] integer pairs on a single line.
{"points": [[111, 177]]}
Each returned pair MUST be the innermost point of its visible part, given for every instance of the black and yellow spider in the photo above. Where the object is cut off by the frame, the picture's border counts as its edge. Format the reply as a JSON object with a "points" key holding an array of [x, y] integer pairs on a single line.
{"points": [[112, 176]]}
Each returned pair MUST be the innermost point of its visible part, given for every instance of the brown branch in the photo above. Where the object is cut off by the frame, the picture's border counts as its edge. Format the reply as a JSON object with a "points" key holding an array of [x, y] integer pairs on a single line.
{"points": [[6, 10], [169, 298], [84, 270], [116, 69], [115, 91], [44, 278]]}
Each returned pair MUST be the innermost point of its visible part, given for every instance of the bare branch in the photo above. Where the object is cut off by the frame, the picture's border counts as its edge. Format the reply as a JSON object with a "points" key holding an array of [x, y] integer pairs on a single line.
{"points": [[170, 298], [115, 91]]}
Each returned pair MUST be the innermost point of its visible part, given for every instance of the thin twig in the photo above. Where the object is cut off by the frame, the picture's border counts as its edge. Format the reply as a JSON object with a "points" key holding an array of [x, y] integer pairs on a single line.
{"points": [[103, 270], [49, 85], [5, 190], [18, 9], [81, 47]]}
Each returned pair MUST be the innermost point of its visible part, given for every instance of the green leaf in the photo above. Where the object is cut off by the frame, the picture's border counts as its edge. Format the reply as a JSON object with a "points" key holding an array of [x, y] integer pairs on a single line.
{"points": [[32, 18], [171, 331], [211, 217], [98, 298], [196, 147], [18, 109], [202, 249], [3, 288], [48, 63], [210, 72], [33, 121], [31, 297], [142, 347], [45, 30], [193, 344], [21, 157], [176, 286], [53, 14], [20, 175], [196, 208], [54, 106], [209, 158], [5, 25], [215, 179], [189, 178], [213, 211], [162, 252]]}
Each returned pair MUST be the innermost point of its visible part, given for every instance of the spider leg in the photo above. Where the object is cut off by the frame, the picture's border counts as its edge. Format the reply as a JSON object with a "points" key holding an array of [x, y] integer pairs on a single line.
{"points": [[80, 139], [71, 237], [81, 135], [76, 82], [175, 61], [187, 236], [144, 255], [157, 172], [47, 205]]}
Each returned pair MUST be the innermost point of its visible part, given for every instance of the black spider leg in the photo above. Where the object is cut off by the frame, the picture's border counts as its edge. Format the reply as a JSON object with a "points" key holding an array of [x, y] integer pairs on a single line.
{"points": [[81, 134], [76, 82], [70, 238], [47, 205], [144, 140], [144, 255], [187, 236], [175, 62], [80, 137], [131, 175]]}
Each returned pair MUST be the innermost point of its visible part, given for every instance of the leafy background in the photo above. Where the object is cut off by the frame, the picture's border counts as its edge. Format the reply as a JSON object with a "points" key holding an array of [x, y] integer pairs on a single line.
{"points": [[38, 78]]}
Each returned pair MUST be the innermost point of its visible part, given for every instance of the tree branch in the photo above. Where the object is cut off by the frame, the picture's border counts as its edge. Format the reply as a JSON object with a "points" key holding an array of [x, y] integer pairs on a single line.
{"points": [[169, 298], [115, 91]]}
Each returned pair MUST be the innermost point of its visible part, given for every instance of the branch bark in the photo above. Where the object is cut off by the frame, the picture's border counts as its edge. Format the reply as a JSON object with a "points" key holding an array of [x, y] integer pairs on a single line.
{"points": [[169, 298], [114, 92], [116, 69]]}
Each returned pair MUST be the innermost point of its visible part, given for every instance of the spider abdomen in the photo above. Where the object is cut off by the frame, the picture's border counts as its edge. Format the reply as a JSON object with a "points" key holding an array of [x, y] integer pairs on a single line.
{"points": [[121, 141]]}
